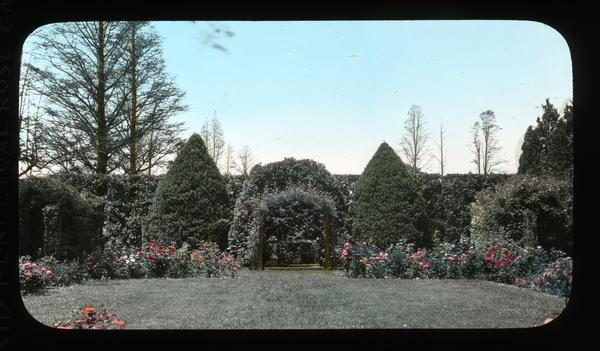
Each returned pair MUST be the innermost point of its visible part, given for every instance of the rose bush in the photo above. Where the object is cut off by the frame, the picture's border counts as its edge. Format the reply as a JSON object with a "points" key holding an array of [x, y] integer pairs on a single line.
{"points": [[33, 277], [504, 261], [209, 262]]}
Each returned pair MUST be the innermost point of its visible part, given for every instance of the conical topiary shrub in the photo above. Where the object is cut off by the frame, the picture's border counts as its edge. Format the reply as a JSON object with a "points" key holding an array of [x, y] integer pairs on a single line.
{"points": [[191, 203], [387, 204]]}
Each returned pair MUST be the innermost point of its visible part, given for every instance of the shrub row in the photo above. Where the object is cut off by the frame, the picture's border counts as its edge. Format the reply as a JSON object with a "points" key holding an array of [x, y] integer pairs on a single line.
{"points": [[500, 261], [114, 261], [60, 216]]}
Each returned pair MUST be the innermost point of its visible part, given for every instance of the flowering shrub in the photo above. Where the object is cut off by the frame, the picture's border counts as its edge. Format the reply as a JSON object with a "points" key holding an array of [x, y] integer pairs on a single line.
{"points": [[364, 260], [420, 263], [87, 318], [180, 264], [109, 262], [556, 278], [158, 260], [34, 277], [65, 272], [157, 256], [209, 262], [533, 267], [499, 259]]}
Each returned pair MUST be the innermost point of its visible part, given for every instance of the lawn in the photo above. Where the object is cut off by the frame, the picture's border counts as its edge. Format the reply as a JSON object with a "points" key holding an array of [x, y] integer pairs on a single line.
{"points": [[302, 299]]}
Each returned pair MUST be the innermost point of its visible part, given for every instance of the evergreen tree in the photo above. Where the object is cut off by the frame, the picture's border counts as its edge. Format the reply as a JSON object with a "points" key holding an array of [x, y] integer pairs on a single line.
{"points": [[191, 200], [548, 147], [387, 205]]}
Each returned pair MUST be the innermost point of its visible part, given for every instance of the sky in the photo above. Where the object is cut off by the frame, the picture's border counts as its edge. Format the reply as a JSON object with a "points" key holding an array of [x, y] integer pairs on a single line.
{"points": [[333, 91]]}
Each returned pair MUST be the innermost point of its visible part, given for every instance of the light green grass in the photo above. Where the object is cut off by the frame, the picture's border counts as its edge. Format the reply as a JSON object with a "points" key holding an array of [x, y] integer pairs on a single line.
{"points": [[302, 299]]}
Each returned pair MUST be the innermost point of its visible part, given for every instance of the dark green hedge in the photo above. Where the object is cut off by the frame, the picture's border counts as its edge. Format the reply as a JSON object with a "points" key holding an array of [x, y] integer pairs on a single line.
{"points": [[191, 202], [448, 199], [387, 204], [55, 219]]}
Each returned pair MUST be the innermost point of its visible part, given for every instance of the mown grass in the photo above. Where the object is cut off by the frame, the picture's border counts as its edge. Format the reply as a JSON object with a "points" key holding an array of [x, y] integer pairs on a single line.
{"points": [[302, 300]]}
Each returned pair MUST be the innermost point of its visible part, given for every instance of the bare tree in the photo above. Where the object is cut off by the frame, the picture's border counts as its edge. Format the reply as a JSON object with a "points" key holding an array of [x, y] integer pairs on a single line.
{"points": [[485, 143], [245, 161], [229, 160], [415, 139], [31, 146], [84, 67], [441, 157], [153, 100], [476, 145], [212, 134]]}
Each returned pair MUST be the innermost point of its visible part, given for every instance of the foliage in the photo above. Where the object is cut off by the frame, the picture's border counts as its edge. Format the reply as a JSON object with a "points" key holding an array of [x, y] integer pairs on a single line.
{"points": [[209, 262], [548, 146], [556, 279], [191, 201], [87, 318], [529, 210], [346, 184], [448, 199], [65, 272], [500, 261], [33, 277], [55, 219], [268, 181], [364, 260], [157, 257], [293, 220], [159, 260], [387, 204], [124, 215]]}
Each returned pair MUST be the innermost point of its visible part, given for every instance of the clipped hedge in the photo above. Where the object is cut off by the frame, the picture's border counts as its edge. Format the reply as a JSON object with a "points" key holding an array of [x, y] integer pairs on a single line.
{"points": [[123, 214], [448, 199], [387, 204], [55, 219], [191, 201]]}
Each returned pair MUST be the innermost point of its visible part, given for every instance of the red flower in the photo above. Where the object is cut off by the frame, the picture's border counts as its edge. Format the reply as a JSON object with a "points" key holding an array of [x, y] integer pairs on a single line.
{"points": [[151, 243], [171, 249]]}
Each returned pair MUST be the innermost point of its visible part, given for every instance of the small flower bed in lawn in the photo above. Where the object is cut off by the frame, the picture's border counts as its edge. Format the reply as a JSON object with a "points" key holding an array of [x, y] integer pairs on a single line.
{"points": [[87, 318], [504, 262]]}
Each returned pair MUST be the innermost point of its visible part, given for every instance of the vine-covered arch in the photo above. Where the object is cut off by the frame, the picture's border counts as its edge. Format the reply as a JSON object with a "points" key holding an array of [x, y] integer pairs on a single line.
{"points": [[306, 179], [311, 199]]}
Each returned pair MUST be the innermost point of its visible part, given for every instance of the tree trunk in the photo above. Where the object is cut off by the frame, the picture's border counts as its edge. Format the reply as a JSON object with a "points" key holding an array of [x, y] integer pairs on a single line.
{"points": [[101, 133], [260, 259], [133, 142], [327, 240], [150, 151]]}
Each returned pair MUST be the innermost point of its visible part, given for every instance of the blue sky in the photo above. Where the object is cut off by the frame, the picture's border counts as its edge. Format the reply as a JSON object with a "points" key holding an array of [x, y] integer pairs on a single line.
{"points": [[332, 91]]}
